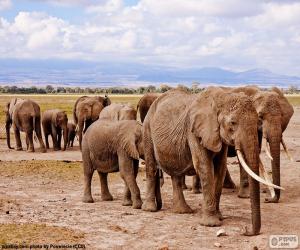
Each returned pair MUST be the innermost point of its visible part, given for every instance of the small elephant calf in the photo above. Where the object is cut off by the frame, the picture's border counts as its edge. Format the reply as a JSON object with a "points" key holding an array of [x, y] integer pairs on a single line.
{"points": [[111, 146], [71, 134]]}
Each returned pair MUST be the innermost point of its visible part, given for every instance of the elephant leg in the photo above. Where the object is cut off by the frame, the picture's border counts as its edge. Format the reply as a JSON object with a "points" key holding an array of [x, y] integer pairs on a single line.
{"points": [[47, 141], [27, 142], [88, 172], [18, 139], [179, 204], [184, 186], [127, 196], [153, 201], [59, 139], [244, 184], [38, 131], [128, 173], [54, 138], [105, 194], [228, 182], [80, 131], [29, 134], [220, 168], [196, 188], [202, 161]]}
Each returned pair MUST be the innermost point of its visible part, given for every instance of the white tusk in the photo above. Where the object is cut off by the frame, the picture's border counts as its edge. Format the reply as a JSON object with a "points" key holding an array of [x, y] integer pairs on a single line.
{"points": [[267, 178], [266, 147], [286, 150], [252, 174]]}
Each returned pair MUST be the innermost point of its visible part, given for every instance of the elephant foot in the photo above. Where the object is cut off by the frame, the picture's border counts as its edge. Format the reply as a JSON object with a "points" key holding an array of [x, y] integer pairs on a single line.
{"points": [[196, 191], [127, 202], [243, 193], [43, 150], [210, 220], [272, 200], [106, 197], [137, 204], [182, 209], [19, 149], [56, 149], [149, 206], [30, 150], [184, 186], [87, 199], [219, 215]]}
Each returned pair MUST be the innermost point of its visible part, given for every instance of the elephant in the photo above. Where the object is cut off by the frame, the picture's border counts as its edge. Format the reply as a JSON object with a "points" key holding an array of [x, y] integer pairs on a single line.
{"points": [[274, 113], [117, 111], [25, 116], [145, 103], [86, 110], [54, 121], [111, 146], [186, 133], [71, 134]]}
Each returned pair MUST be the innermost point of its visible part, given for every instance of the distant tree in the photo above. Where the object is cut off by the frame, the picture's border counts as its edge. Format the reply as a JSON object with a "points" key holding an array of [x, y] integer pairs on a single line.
{"points": [[164, 88], [49, 89], [61, 90], [183, 87], [293, 89], [150, 88]]}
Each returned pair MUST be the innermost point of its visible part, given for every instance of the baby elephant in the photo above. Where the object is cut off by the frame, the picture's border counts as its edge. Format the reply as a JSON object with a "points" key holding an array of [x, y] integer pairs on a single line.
{"points": [[71, 134], [111, 146], [55, 121], [118, 111]]}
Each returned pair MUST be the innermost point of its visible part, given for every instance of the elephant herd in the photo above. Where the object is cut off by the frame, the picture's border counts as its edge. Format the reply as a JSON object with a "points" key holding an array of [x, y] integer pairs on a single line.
{"points": [[181, 134]]}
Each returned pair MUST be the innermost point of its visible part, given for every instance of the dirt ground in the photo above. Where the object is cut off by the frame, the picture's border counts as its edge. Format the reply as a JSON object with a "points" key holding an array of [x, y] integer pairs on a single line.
{"points": [[42, 193]]}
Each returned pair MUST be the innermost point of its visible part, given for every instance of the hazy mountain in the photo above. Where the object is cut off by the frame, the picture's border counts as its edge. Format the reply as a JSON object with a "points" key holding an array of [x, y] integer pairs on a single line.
{"points": [[85, 73]]}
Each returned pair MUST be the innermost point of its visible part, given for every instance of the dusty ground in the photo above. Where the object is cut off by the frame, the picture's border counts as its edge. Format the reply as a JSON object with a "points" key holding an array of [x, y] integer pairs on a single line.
{"points": [[44, 196]]}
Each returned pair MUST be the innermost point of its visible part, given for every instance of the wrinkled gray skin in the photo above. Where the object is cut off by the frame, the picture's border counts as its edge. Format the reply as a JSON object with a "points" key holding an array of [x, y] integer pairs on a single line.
{"points": [[188, 133], [86, 110], [274, 112], [145, 103], [25, 116], [71, 133], [111, 146], [117, 112], [55, 122]]}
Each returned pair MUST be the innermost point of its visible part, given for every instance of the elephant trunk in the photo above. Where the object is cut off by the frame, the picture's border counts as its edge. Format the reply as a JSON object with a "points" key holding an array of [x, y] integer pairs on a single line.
{"points": [[275, 152], [250, 149], [7, 127]]}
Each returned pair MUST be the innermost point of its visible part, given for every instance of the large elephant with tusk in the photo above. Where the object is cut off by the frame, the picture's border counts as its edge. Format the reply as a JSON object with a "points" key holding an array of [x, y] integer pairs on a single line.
{"points": [[185, 134], [274, 113]]}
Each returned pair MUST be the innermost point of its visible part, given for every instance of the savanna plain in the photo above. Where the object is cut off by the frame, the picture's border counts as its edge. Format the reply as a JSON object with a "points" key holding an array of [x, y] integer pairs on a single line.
{"points": [[40, 199]]}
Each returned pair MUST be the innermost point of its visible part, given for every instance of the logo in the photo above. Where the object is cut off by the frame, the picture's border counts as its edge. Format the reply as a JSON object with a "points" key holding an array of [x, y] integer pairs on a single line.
{"points": [[285, 241]]}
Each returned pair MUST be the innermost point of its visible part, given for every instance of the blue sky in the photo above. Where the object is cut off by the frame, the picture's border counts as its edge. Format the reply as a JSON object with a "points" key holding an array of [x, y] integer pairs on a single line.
{"points": [[231, 34]]}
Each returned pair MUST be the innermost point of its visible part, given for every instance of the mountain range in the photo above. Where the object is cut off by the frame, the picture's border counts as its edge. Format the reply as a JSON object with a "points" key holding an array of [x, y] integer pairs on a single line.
{"points": [[109, 74]]}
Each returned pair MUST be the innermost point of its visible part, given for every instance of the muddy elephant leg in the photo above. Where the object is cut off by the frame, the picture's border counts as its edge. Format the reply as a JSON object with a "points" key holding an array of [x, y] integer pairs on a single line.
{"points": [[47, 141], [228, 182], [128, 173], [18, 139], [179, 203], [153, 201], [27, 142], [184, 186], [196, 188], [29, 134], [54, 138], [202, 161], [220, 168], [244, 184], [88, 172], [59, 139], [38, 131], [127, 196], [80, 131], [105, 194]]}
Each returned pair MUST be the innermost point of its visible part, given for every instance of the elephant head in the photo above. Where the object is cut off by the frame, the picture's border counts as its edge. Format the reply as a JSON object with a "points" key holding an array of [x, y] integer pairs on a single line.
{"points": [[60, 119], [217, 118], [274, 113], [131, 139], [9, 110]]}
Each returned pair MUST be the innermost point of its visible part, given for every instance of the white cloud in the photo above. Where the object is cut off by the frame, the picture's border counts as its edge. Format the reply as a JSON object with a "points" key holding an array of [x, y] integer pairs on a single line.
{"points": [[233, 34], [5, 4]]}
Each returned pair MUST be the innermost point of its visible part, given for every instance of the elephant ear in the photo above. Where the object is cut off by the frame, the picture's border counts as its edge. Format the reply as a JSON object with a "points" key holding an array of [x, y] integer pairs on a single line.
{"points": [[128, 138], [204, 123], [106, 101]]}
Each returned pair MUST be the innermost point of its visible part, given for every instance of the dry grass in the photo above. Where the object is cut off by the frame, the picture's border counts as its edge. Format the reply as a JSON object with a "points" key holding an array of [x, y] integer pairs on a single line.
{"points": [[29, 234]]}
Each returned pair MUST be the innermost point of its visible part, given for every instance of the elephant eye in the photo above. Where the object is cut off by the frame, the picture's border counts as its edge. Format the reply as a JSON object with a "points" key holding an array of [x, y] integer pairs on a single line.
{"points": [[232, 123]]}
